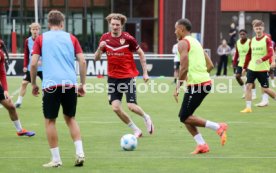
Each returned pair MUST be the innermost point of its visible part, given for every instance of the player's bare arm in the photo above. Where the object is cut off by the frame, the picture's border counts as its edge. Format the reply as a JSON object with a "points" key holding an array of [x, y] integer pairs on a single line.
{"points": [[99, 52], [33, 74], [82, 69], [209, 63], [143, 64], [183, 51]]}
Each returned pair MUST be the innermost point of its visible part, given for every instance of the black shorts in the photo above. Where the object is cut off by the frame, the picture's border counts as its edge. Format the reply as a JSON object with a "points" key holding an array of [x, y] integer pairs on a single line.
{"points": [[238, 70], [2, 96], [261, 76], [52, 99], [27, 76], [176, 65], [117, 87], [192, 99]]}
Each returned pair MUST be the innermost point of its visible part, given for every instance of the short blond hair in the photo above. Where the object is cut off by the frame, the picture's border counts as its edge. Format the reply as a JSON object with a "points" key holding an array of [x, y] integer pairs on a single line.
{"points": [[257, 22], [117, 16], [34, 24]]}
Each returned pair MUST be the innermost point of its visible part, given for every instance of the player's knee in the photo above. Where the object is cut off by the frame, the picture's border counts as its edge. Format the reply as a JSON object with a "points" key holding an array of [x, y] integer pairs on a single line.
{"points": [[11, 107], [116, 109], [131, 106]]}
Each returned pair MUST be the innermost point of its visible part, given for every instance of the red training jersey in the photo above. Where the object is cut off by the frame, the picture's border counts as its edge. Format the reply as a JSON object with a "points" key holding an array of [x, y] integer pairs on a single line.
{"points": [[3, 79], [119, 51]]}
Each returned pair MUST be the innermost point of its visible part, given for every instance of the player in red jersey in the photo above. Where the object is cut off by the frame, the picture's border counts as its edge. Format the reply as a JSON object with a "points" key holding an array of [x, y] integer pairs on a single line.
{"points": [[5, 99], [119, 47]]}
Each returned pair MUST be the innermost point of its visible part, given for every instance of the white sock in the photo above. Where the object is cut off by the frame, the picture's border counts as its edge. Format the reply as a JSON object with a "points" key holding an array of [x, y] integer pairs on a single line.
{"points": [[55, 154], [17, 125], [79, 147], [212, 125], [146, 116], [199, 139], [248, 104], [19, 99], [265, 98], [133, 126]]}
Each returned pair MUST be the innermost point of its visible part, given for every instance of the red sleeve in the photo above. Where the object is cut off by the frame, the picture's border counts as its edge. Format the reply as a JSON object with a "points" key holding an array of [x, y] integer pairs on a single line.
{"points": [[3, 78], [76, 44], [133, 45], [248, 57], [269, 48], [26, 54], [236, 56], [37, 46]]}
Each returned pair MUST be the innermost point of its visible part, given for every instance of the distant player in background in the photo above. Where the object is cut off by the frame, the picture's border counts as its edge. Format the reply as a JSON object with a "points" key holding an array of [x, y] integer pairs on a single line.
{"points": [[176, 61], [257, 63], [28, 47], [59, 83], [265, 98], [5, 99], [242, 47], [119, 47], [195, 66]]}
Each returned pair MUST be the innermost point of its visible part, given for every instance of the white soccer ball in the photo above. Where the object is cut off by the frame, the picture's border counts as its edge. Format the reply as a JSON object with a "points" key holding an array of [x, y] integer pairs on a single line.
{"points": [[129, 142]]}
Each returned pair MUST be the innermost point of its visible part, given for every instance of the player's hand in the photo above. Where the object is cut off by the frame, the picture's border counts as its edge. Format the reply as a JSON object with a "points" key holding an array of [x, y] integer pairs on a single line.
{"points": [[272, 65], [25, 69], [7, 96], [35, 90], [243, 72], [81, 90], [175, 94], [102, 44], [146, 77], [259, 61]]}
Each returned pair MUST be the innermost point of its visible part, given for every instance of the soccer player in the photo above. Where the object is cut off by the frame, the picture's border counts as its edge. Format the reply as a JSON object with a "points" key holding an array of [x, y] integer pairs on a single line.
{"points": [[59, 84], [28, 47], [257, 63], [5, 99], [119, 47], [195, 66], [242, 47]]}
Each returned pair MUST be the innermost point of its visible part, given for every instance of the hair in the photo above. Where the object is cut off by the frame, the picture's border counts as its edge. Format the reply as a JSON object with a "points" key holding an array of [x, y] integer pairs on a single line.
{"points": [[55, 18], [257, 22], [116, 16], [243, 30], [186, 23], [34, 24]]}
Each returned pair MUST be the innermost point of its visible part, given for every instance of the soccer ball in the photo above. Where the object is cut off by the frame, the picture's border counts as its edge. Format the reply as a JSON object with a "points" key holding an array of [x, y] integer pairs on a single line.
{"points": [[129, 142]]}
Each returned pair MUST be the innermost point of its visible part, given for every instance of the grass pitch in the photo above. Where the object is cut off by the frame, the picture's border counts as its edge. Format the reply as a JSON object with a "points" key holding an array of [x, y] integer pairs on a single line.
{"points": [[250, 147]]}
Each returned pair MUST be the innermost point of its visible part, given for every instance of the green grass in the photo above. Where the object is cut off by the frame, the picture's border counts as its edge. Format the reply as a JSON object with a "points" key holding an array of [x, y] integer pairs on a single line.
{"points": [[250, 148]]}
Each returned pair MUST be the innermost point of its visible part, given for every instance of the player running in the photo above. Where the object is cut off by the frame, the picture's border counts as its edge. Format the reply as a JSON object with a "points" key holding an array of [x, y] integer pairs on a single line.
{"points": [[119, 47], [195, 66]]}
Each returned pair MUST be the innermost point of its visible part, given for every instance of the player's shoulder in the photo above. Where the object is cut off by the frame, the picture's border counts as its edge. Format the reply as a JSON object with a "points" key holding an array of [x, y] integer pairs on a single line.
{"points": [[126, 35], [106, 35]]}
